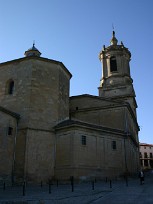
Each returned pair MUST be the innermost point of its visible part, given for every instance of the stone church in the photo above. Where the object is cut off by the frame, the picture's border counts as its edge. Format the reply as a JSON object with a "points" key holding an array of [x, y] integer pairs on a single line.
{"points": [[46, 134]]}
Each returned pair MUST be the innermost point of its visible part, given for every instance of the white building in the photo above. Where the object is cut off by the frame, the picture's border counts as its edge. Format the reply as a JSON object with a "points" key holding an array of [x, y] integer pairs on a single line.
{"points": [[146, 155]]}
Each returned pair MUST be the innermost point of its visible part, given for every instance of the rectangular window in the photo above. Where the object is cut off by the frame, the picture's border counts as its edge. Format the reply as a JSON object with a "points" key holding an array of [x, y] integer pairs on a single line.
{"points": [[84, 140], [150, 155], [113, 144], [10, 131]]}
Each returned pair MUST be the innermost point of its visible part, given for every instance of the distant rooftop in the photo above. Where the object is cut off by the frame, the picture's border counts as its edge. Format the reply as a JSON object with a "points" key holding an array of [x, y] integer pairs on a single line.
{"points": [[145, 144]]}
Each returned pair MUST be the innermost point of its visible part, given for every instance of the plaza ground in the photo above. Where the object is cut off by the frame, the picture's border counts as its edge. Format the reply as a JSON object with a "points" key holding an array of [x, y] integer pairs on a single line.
{"points": [[115, 192]]}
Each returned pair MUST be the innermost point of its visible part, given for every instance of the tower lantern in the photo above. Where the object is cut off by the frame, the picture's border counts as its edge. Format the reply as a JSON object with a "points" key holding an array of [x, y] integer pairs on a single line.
{"points": [[116, 82]]}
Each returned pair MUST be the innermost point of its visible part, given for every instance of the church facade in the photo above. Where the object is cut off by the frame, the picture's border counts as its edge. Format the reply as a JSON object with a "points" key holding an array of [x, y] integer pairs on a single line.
{"points": [[46, 134]]}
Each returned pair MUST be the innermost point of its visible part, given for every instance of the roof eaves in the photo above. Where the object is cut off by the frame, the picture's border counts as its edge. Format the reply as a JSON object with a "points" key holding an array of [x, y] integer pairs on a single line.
{"points": [[38, 58], [4, 110], [70, 123]]}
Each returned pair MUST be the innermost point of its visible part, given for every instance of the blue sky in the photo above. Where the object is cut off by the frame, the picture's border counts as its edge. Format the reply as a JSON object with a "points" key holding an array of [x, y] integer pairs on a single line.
{"points": [[74, 31]]}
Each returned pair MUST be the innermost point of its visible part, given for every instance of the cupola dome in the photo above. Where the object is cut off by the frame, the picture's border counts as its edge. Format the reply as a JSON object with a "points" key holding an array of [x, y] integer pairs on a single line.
{"points": [[33, 51]]}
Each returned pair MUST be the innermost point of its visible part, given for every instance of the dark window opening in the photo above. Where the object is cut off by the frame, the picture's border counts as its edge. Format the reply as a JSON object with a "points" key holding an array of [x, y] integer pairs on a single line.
{"points": [[151, 163], [11, 87], [145, 162], [113, 144], [10, 130], [145, 155], [141, 163], [84, 140], [150, 155], [113, 64], [77, 108]]}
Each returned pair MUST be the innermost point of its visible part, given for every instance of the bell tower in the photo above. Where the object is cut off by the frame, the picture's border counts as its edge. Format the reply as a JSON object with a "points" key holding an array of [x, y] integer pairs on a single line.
{"points": [[116, 82]]}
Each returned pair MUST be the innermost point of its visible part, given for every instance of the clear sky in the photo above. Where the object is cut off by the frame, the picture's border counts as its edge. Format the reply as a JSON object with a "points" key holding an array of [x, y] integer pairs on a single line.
{"points": [[74, 31]]}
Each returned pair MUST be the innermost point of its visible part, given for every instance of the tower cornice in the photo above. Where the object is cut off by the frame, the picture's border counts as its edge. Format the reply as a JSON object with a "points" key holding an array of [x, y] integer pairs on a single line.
{"points": [[114, 49]]}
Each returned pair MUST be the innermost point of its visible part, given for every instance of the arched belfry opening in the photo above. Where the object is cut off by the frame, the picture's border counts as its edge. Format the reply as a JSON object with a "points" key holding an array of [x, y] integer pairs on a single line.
{"points": [[113, 64]]}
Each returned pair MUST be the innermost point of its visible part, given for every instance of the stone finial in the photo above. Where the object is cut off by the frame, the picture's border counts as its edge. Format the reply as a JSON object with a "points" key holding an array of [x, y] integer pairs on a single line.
{"points": [[122, 43], [113, 41]]}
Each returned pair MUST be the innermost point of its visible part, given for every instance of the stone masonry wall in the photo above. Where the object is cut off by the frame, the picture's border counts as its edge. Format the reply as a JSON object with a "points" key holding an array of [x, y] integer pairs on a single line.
{"points": [[41, 97], [95, 159], [7, 146]]}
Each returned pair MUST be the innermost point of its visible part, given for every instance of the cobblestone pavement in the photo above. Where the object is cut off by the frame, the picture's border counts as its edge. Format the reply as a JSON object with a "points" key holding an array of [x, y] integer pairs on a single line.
{"points": [[116, 192]]}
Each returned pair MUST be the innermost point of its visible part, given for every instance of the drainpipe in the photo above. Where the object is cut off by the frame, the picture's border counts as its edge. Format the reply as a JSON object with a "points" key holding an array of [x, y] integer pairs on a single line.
{"points": [[125, 138], [14, 148]]}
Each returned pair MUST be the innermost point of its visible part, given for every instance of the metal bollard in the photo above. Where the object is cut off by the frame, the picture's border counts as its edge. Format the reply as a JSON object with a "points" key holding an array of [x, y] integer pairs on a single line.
{"points": [[4, 186], [72, 182], [23, 190], [57, 182], [110, 184], [49, 187], [126, 180], [93, 185]]}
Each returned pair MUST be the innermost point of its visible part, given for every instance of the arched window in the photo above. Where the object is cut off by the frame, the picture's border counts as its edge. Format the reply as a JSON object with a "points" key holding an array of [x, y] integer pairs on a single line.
{"points": [[10, 87], [113, 64]]}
